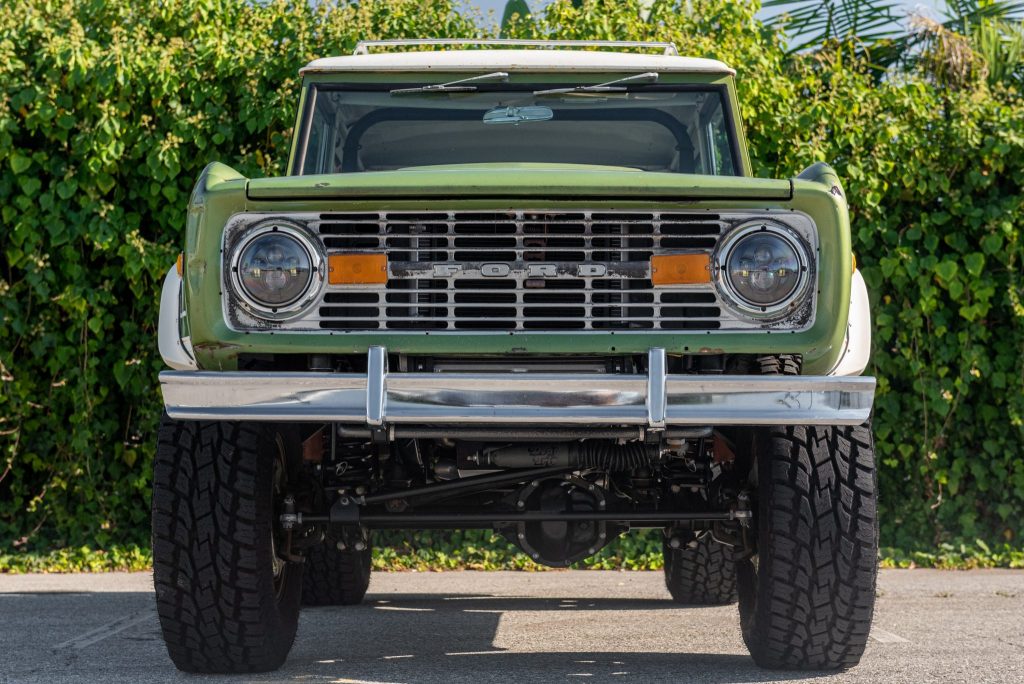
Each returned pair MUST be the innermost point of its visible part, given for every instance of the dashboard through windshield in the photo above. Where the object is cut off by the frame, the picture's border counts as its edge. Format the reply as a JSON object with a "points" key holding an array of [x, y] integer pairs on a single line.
{"points": [[676, 129]]}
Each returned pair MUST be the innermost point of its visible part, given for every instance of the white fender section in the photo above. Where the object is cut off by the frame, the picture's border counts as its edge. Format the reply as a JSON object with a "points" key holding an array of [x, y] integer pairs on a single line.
{"points": [[177, 353], [857, 343]]}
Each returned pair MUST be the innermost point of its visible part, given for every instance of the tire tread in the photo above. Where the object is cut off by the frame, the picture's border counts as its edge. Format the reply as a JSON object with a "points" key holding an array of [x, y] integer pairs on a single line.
{"points": [[704, 575], [809, 603], [214, 592], [819, 546], [335, 578]]}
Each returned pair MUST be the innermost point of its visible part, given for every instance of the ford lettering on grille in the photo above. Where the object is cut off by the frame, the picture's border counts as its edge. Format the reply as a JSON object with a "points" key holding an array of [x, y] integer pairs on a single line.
{"points": [[491, 270]]}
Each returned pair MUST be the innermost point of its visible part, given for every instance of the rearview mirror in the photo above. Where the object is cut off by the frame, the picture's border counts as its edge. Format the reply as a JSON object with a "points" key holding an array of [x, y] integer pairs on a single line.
{"points": [[514, 115]]}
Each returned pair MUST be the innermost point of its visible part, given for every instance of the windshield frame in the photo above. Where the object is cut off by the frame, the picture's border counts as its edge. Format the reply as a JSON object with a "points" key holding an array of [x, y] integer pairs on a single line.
{"points": [[525, 85]]}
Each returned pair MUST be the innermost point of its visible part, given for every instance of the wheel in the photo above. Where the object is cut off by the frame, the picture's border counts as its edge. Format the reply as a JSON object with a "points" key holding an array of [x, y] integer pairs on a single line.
{"points": [[226, 594], [807, 597], [335, 578], [702, 575]]}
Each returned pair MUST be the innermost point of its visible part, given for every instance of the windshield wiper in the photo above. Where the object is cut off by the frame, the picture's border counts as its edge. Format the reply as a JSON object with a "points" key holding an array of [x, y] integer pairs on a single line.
{"points": [[616, 86], [454, 86]]}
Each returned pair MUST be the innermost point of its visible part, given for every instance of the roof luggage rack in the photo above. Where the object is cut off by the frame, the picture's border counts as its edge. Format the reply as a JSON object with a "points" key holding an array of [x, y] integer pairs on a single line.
{"points": [[364, 46]]}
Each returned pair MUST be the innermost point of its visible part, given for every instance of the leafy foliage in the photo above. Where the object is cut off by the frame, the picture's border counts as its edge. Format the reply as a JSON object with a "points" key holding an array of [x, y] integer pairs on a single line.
{"points": [[956, 557], [973, 40], [129, 558], [1000, 44], [111, 108], [514, 10], [481, 550]]}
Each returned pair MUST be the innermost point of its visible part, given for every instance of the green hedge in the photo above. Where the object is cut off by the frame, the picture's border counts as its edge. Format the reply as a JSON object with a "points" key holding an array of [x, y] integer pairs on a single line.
{"points": [[483, 550], [111, 108]]}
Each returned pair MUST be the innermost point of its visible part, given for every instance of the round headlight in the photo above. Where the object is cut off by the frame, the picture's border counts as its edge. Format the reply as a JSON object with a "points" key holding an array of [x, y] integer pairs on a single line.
{"points": [[763, 268], [275, 269]]}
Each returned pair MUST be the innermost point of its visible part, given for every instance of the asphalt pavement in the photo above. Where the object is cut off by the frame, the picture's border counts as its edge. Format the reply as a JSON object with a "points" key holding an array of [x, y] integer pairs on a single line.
{"points": [[516, 627]]}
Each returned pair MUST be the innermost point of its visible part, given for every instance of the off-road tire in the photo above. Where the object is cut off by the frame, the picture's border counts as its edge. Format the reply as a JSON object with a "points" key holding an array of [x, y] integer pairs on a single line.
{"points": [[704, 575], [806, 598], [335, 578], [220, 608]]}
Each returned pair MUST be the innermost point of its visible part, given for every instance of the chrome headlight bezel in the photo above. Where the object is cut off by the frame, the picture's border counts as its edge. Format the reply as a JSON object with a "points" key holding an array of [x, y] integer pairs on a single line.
{"points": [[309, 244], [729, 293]]}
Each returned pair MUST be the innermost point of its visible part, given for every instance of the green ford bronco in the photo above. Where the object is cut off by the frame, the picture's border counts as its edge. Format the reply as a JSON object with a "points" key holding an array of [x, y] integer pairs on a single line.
{"points": [[531, 290]]}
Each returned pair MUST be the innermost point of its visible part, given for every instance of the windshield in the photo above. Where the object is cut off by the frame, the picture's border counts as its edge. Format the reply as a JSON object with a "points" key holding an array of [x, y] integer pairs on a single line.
{"points": [[647, 127]]}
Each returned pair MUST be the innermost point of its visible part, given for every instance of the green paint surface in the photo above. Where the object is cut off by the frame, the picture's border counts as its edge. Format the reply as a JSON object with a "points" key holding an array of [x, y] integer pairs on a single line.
{"points": [[221, 193], [563, 181]]}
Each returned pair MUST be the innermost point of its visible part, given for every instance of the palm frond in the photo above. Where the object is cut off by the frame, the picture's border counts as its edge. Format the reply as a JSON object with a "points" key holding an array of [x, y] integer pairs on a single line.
{"points": [[947, 57], [963, 16], [813, 22], [1001, 44]]}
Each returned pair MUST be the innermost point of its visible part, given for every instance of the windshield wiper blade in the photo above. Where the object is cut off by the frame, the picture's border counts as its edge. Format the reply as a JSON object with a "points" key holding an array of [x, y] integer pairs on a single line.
{"points": [[454, 86], [616, 86]]}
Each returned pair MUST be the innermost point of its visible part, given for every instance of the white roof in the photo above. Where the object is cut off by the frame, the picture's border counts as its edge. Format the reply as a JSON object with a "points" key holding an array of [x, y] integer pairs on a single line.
{"points": [[531, 60]]}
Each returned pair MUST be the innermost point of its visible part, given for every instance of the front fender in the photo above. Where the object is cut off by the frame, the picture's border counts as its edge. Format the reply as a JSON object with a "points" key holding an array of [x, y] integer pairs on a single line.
{"points": [[857, 343], [176, 351]]}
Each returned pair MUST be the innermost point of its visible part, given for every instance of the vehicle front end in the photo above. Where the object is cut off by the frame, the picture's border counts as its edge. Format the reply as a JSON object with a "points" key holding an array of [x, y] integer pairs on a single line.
{"points": [[537, 294]]}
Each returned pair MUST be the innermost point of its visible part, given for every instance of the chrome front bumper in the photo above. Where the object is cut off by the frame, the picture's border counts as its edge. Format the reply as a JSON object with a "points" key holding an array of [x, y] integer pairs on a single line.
{"points": [[379, 398]]}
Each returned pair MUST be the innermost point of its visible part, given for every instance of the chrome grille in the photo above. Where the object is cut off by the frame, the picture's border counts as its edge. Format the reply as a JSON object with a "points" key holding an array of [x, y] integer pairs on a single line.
{"points": [[595, 272], [439, 263]]}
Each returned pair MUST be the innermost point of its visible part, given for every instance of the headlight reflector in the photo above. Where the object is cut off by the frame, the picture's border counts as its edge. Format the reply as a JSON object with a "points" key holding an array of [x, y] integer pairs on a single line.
{"points": [[275, 269], [763, 268]]}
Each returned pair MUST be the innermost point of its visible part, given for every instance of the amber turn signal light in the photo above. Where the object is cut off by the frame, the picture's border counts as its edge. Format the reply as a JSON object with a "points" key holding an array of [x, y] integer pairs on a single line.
{"points": [[680, 269], [357, 269]]}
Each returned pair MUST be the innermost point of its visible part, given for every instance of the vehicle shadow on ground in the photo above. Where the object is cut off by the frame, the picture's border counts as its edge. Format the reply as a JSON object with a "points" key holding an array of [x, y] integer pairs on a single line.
{"points": [[416, 638], [455, 638]]}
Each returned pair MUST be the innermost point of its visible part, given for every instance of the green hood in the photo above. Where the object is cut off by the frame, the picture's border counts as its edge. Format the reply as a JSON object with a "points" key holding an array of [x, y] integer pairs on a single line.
{"points": [[562, 181]]}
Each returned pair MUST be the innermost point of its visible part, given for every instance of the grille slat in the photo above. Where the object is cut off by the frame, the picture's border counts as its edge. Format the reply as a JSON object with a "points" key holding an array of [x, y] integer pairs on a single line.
{"points": [[519, 270]]}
